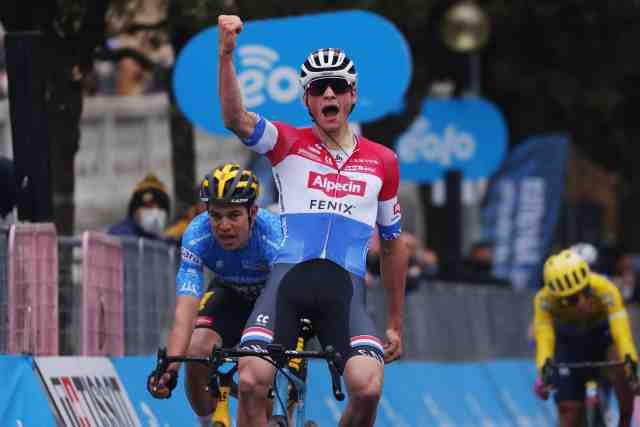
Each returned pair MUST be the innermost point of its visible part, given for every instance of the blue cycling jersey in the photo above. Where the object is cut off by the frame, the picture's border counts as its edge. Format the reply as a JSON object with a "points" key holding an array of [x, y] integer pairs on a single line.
{"points": [[249, 265]]}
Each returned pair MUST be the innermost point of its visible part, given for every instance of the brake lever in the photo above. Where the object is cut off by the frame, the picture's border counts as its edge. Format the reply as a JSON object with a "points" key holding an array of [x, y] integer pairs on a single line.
{"points": [[631, 367], [336, 384], [547, 373], [161, 363]]}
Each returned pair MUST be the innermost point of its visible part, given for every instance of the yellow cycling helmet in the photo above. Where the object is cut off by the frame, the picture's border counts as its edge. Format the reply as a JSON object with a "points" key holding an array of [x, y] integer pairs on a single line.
{"points": [[566, 274], [229, 185]]}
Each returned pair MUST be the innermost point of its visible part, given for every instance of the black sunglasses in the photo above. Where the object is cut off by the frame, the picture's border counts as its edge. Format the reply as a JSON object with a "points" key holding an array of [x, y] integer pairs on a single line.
{"points": [[338, 86]]}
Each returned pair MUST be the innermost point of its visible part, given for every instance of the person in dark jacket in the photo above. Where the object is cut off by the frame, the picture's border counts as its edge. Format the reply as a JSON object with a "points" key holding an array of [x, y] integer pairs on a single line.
{"points": [[148, 211]]}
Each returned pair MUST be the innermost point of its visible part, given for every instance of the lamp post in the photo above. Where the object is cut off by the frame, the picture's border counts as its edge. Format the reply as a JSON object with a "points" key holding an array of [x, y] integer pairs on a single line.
{"points": [[465, 29]]}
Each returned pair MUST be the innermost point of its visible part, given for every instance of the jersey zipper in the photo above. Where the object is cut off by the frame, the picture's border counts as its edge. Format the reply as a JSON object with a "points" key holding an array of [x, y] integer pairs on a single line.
{"points": [[323, 254]]}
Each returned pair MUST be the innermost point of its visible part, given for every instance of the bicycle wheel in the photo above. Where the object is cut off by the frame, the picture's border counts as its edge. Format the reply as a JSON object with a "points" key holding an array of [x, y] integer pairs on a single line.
{"points": [[277, 421]]}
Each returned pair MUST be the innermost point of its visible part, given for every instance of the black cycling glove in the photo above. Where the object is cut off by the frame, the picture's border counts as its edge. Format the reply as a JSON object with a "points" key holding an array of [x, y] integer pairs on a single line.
{"points": [[170, 385]]}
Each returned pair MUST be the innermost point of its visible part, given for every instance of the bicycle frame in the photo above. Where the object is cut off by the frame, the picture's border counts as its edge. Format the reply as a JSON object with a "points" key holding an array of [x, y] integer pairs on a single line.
{"points": [[284, 377]]}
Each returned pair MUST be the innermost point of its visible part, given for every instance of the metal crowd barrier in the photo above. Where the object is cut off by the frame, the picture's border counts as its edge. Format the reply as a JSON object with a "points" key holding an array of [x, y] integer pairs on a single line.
{"points": [[91, 295], [95, 295], [149, 293], [32, 289], [457, 322]]}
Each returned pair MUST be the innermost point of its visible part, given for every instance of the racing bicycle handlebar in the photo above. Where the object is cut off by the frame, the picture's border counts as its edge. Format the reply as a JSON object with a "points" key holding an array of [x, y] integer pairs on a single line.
{"points": [[275, 354], [551, 367]]}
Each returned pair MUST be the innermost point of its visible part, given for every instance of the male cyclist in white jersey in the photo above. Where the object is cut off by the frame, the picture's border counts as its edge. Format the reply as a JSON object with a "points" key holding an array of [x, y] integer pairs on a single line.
{"points": [[334, 189]]}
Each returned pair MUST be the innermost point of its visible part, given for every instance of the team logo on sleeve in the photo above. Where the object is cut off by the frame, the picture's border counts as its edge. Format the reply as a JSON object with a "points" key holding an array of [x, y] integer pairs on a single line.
{"points": [[334, 185], [396, 208], [189, 256]]}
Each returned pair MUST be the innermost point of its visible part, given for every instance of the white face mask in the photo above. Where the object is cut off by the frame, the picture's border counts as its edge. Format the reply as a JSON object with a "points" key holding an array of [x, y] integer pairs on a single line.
{"points": [[153, 220]]}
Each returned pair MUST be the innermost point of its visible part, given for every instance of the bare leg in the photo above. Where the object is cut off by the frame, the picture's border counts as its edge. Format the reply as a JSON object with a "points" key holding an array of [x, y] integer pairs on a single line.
{"points": [[624, 394], [196, 379], [363, 376], [255, 379], [571, 413]]}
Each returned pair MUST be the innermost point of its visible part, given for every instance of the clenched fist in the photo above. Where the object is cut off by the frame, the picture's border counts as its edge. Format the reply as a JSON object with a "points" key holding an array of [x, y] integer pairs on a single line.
{"points": [[229, 26]]}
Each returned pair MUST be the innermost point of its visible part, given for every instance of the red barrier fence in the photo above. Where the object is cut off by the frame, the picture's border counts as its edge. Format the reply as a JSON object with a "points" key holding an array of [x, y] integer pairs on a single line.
{"points": [[32, 303], [102, 290]]}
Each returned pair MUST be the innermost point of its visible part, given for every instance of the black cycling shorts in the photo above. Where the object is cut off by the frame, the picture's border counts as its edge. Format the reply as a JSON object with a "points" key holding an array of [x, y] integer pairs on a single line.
{"points": [[591, 347], [322, 291], [225, 309]]}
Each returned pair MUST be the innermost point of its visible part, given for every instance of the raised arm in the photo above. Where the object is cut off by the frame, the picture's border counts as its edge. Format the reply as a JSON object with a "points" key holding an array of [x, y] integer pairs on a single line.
{"points": [[235, 117]]}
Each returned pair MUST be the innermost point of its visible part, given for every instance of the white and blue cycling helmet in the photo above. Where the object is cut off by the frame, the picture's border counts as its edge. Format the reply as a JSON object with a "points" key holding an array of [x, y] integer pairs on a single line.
{"points": [[327, 63]]}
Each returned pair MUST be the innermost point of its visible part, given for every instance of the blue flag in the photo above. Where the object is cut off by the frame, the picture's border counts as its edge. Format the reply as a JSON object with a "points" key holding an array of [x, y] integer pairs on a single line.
{"points": [[522, 208]]}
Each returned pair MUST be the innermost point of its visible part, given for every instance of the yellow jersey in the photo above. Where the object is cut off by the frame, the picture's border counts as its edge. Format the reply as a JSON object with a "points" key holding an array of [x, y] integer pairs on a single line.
{"points": [[550, 314]]}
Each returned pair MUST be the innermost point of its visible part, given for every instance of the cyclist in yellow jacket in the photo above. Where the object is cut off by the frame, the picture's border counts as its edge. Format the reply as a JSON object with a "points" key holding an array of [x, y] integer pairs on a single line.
{"points": [[579, 316]]}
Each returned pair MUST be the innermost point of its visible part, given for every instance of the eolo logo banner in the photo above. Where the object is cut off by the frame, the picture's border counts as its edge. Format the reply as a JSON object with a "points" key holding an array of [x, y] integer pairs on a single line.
{"points": [[268, 59]]}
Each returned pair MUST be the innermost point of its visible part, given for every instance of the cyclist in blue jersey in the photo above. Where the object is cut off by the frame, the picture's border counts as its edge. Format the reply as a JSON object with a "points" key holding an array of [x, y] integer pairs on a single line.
{"points": [[334, 188], [237, 242]]}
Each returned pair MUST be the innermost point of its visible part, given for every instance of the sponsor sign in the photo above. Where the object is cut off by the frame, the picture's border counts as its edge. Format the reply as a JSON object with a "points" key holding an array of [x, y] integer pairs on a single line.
{"points": [[335, 185], [86, 392], [466, 134], [268, 59]]}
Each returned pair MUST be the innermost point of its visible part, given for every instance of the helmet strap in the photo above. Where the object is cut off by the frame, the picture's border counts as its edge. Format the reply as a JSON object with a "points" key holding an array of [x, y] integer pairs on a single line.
{"points": [[252, 217]]}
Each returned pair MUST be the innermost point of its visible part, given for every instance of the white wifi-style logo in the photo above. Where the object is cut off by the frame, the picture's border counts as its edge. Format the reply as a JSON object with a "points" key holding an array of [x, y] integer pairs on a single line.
{"points": [[422, 143], [258, 75]]}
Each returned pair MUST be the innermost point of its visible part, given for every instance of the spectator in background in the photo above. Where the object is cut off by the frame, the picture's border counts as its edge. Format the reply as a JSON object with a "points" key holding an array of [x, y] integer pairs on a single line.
{"points": [[177, 229], [4, 79], [423, 262], [624, 277], [148, 211], [477, 266]]}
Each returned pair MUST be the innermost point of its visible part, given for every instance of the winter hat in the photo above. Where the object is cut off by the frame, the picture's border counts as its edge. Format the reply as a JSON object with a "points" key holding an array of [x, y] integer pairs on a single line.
{"points": [[148, 191]]}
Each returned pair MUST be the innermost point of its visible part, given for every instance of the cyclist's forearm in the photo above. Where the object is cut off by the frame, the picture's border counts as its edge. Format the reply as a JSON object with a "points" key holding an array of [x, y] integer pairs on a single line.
{"points": [[393, 266], [235, 117], [545, 342], [182, 329], [622, 337]]}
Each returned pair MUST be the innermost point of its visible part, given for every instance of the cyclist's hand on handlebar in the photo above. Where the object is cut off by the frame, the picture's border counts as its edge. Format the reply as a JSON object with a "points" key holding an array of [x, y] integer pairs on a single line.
{"points": [[631, 371], [162, 389], [541, 389], [229, 26], [393, 346], [547, 372]]}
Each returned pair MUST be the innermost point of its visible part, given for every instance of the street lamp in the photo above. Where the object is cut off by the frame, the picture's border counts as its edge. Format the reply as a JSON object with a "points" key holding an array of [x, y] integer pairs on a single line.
{"points": [[465, 28]]}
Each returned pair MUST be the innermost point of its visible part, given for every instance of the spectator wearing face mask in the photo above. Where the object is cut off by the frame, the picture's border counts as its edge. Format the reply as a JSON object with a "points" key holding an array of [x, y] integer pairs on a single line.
{"points": [[148, 211]]}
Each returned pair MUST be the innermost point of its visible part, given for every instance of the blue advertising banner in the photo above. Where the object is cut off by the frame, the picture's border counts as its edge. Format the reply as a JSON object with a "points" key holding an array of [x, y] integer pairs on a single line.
{"points": [[522, 207], [23, 400], [415, 394], [268, 59], [467, 134], [420, 394], [173, 412]]}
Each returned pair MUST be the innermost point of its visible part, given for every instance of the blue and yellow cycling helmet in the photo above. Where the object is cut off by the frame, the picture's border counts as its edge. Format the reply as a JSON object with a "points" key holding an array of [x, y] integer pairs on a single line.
{"points": [[229, 185], [566, 274]]}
